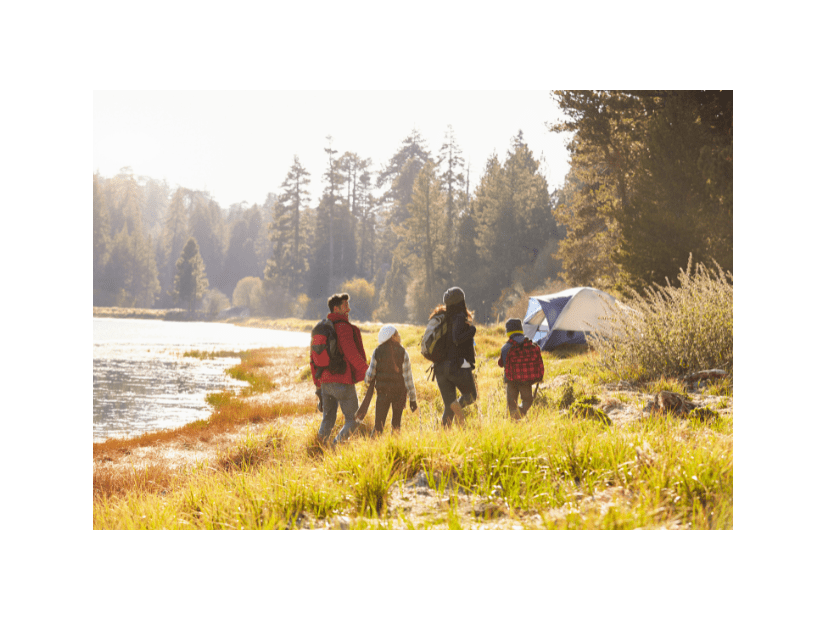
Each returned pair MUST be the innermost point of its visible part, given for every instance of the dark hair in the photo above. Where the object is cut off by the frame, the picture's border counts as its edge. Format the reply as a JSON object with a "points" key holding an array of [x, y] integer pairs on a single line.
{"points": [[336, 300], [454, 309]]}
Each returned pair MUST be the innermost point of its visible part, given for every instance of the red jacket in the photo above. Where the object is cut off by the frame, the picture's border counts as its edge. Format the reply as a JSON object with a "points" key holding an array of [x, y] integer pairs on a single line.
{"points": [[349, 342]]}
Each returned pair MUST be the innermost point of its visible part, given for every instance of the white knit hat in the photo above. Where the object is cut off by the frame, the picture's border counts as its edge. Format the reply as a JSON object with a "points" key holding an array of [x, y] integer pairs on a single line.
{"points": [[386, 333]]}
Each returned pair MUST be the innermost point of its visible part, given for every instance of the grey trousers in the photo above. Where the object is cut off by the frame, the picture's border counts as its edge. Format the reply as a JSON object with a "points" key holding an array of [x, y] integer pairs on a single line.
{"points": [[333, 395]]}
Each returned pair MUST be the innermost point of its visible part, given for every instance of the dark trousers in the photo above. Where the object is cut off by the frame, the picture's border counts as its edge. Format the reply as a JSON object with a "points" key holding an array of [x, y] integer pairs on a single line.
{"points": [[449, 380], [383, 403], [514, 391]]}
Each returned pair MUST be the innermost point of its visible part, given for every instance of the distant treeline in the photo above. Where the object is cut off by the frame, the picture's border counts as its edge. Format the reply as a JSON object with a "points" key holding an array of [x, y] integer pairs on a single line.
{"points": [[650, 182]]}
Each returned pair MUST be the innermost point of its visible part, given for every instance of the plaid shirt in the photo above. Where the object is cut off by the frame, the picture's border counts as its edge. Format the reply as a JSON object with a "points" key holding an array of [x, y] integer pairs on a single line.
{"points": [[407, 373], [529, 364]]}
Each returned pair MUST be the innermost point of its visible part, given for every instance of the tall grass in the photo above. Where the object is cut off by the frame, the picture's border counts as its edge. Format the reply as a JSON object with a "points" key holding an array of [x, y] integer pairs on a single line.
{"points": [[673, 330], [656, 473], [553, 470]]}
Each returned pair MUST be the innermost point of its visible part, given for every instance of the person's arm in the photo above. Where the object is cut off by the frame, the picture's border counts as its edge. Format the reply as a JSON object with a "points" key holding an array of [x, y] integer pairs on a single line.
{"points": [[313, 371], [407, 372], [371, 370]]}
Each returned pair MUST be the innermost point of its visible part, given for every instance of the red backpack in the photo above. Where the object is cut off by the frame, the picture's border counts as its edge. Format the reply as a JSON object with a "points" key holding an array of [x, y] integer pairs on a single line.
{"points": [[324, 349], [524, 362]]}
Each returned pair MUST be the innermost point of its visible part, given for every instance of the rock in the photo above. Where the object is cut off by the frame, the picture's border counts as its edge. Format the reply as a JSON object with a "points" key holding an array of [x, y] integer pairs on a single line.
{"points": [[715, 373], [489, 510], [703, 413], [585, 407], [671, 402], [558, 381]]}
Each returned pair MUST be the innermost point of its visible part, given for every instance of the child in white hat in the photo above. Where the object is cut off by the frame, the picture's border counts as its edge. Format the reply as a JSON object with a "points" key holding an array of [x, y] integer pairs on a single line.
{"points": [[390, 366]]}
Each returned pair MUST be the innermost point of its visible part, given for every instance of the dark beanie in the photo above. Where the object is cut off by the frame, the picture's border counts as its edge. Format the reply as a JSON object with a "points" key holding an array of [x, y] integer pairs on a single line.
{"points": [[454, 296], [513, 326]]}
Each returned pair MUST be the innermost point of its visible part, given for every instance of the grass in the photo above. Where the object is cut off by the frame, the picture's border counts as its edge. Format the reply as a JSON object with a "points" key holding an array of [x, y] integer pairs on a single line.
{"points": [[658, 473], [674, 330], [563, 467]]}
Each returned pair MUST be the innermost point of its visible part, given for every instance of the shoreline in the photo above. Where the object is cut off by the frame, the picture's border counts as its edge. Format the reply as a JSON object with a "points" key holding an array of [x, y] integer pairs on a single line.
{"points": [[264, 322]]}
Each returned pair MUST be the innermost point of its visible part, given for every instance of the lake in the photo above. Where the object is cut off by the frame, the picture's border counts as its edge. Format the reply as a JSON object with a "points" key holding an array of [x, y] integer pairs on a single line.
{"points": [[142, 382]]}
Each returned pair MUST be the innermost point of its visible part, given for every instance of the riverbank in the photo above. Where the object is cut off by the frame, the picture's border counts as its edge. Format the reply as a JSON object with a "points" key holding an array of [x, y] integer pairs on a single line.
{"points": [[255, 463], [178, 314]]}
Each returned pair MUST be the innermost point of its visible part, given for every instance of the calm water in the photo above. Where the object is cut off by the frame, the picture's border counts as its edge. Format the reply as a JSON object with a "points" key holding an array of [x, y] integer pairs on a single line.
{"points": [[142, 382]]}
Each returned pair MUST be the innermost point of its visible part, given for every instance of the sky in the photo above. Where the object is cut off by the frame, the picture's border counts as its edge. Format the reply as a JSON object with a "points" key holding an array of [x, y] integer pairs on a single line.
{"points": [[240, 145]]}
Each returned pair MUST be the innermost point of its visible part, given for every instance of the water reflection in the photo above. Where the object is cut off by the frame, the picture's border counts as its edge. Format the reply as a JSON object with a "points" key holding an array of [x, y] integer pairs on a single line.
{"points": [[142, 382]]}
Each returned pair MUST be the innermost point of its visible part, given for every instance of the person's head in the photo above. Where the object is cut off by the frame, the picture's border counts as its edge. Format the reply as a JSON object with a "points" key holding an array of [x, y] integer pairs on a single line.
{"points": [[339, 303], [388, 332], [513, 327], [454, 299]]}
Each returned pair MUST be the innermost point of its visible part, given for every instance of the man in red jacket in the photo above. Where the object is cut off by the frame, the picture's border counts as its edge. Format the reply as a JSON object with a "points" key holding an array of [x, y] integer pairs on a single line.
{"points": [[340, 389]]}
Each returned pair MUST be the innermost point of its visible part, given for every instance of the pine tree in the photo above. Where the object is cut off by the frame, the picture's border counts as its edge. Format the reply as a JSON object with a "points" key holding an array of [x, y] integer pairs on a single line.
{"points": [[174, 236], [677, 211], [451, 162], [131, 275], [101, 242], [206, 225], [513, 218], [650, 182], [240, 260], [424, 239], [393, 211], [401, 172], [191, 282]]}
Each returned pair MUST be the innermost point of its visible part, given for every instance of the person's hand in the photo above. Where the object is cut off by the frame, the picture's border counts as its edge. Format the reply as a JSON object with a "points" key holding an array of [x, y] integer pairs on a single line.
{"points": [[413, 406]]}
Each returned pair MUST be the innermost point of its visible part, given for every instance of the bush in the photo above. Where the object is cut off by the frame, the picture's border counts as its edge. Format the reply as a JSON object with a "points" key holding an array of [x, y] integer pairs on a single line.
{"points": [[673, 330], [249, 292], [362, 298], [214, 302], [301, 305]]}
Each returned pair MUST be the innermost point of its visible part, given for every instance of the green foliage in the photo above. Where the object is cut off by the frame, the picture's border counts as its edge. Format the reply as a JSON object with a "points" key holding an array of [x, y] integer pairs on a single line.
{"points": [[207, 227], [650, 182], [676, 210], [190, 283], [214, 302], [362, 298], [673, 330], [174, 236], [249, 292]]}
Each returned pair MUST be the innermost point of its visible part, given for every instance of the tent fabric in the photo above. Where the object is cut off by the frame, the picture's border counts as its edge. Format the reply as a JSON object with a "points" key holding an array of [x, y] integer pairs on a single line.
{"points": [[565, 317]]}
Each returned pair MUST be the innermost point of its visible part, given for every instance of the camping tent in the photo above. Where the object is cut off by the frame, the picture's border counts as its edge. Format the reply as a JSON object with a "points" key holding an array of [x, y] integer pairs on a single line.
{"points": [[564, 317]]}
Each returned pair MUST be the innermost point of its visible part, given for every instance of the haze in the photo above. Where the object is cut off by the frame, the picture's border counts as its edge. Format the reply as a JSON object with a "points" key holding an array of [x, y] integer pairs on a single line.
{"points": [[239, 145]]}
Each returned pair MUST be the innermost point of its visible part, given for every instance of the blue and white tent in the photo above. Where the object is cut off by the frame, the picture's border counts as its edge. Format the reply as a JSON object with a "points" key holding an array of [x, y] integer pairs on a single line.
{"points": [[564, 317]]}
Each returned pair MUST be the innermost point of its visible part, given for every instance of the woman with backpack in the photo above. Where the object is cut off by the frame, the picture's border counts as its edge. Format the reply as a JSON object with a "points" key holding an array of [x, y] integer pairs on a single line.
{"points": [[455, 370]]}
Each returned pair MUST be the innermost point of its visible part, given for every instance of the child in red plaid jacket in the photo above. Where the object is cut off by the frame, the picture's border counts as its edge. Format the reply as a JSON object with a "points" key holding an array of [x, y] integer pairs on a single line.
{"points": [[523, 366]]}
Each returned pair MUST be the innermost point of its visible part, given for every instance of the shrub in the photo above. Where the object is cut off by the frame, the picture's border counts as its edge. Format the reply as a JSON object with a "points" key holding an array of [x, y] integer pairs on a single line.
{"points": [[673, 330], [300, 307], [249, 292], [362, 298], [214, 302]]}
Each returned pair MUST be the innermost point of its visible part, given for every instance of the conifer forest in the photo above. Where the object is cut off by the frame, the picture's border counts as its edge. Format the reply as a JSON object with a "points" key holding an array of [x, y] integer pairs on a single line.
{"points": [[650, 184]]}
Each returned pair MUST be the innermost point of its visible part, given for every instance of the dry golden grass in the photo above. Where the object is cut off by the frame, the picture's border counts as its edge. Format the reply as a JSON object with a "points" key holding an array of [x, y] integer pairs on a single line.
{"points": [[155, 459]]}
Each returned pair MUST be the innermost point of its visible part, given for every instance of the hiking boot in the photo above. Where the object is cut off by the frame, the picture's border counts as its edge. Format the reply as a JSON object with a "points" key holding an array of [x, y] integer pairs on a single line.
{"points": [[458, 414]]}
